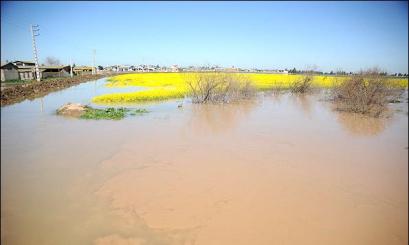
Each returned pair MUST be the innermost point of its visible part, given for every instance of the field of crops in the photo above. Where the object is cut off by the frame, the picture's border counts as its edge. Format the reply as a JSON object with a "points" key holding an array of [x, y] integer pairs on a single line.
{"points": [[162, 86]]}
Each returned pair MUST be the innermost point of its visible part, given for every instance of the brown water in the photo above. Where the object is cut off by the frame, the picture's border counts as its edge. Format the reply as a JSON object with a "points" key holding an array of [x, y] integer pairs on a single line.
{"points": [[276, 170]]}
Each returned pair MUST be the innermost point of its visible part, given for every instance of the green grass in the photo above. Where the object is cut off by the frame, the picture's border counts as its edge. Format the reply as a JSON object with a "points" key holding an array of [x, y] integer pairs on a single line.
{"points": [[111, 113], [138, 112], [16, 81]]}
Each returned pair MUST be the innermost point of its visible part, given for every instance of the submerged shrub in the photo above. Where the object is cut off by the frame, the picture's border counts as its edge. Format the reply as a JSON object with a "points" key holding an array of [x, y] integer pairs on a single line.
{"points": [[218, 87], [302, 85], [365, 93]]}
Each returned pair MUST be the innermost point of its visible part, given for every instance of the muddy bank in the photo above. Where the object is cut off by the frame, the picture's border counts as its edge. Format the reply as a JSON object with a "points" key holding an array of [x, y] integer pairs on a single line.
{"points": [[18, 93]]}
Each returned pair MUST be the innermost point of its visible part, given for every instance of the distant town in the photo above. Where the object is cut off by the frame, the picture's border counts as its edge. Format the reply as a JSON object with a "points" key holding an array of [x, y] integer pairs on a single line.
{"points": [[26, 70]]}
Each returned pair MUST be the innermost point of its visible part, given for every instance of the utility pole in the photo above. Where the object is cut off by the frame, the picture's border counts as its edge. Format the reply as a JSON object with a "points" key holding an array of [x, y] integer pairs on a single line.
{"points": [[94, 70], [34, 33], [71, 67]]}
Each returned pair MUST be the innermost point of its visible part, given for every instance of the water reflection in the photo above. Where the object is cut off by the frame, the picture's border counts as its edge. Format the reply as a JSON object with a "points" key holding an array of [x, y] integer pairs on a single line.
{"points": [[361, 125], [304, 102], [42, 104], [213, 118], [276, 97]]}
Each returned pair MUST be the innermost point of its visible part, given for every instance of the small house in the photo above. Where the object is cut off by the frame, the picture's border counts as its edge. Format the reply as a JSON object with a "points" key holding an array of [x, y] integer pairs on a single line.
{"points": [[82, 70], [54, 71], [9, 72], [175, 68], [18, 70]]}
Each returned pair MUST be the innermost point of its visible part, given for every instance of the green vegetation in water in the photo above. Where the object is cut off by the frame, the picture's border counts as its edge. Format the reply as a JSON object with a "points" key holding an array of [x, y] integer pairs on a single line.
{"points": [[138, 112], [110, 113]]}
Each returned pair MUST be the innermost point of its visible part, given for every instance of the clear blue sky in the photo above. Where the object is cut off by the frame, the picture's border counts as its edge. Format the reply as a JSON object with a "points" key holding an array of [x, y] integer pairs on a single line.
{"points": [[330, 35]]}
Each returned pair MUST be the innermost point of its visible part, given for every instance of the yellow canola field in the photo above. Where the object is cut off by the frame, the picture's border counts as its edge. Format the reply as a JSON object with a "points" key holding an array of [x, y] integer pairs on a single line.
{"points": [[162, 86]]}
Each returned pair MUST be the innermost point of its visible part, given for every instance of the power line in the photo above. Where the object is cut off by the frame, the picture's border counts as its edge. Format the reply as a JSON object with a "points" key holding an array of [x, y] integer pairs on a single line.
{"points": [[93, 67]]}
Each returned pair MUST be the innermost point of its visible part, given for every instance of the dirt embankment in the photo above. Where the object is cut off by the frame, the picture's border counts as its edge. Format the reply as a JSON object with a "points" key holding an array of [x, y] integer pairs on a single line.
{"points": [[18, 93]]}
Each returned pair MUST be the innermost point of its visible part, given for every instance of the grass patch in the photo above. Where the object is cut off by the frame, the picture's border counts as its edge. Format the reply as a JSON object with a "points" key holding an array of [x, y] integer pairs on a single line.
{"points": [[16, 82], [110, 113], [138, 112]]}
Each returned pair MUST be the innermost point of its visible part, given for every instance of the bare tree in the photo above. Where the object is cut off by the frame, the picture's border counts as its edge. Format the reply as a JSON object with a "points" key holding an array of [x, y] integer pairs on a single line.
{"points": [[302, 85], [368, 92], [218, 87], [52, 61]]}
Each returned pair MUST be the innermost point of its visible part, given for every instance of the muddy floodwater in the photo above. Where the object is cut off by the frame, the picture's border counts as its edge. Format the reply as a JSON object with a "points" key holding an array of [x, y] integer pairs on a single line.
{"points": [[275, 170]]}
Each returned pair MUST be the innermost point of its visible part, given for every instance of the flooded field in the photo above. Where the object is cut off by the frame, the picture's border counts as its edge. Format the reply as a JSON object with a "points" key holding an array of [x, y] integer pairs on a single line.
{"points": [[280, 169]]}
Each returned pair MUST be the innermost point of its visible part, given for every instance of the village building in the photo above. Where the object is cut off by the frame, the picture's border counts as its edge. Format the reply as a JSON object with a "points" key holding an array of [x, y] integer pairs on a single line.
{"points": [[18, 70], [54, 71], [25, 70], [139, 68], [82, 70], [232, 69], [124, 68], [175, 68]]}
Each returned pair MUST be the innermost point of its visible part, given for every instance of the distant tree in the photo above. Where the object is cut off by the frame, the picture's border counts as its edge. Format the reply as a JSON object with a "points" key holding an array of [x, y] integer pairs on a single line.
{"points": [[399, 74], [52, 61], [100, 68], [293, 71], [340, 72], [331, 73]]}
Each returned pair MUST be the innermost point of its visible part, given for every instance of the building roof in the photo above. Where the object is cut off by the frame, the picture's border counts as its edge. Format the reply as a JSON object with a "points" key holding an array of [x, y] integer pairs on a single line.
{"points": [[26, 68], [29, 63], [23, 61], [82, 68], [9, 64], [32, 68], [52, 67], [20, 68]]}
